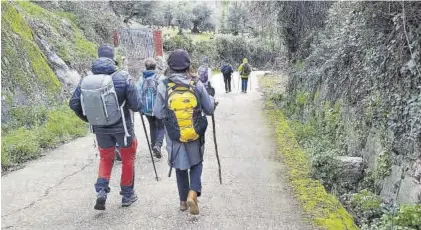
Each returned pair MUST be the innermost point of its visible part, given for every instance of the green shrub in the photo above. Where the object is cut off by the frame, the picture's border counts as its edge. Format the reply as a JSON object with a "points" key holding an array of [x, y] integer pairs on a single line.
{"points": [[223, 48], [407, 217], [19, 146], [366, 205], [22, 144], [178, 42]]}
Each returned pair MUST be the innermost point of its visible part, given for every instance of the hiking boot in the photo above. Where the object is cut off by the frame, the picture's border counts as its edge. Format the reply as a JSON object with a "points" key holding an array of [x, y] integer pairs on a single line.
{"points": [[192, 203], [127, 201], [157, 152], [100, 200], [183, 206]]}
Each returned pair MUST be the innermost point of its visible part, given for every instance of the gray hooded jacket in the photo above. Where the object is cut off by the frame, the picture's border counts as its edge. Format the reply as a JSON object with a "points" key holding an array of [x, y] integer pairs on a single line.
{"points": [[183, 155]]}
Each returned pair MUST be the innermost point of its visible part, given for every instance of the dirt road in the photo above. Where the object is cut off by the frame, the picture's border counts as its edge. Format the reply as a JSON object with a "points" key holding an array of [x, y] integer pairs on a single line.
{"points": [[57, 192]]}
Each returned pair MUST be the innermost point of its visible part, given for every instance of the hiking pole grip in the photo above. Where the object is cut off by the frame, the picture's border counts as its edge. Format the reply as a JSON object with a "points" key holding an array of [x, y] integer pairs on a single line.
{"points": [[149, 146], [216, 149]]}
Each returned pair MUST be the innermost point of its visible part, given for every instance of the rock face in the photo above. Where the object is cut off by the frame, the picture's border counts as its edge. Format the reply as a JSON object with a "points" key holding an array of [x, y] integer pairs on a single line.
{"points": [[391, 184], [27, 79], [403, 187], [351, 171], [352, 168], [96, 19], [363, 104], [45, 52], [68, 77]]}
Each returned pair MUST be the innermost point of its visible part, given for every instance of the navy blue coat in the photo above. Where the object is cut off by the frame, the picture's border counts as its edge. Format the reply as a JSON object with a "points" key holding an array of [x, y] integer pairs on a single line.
{"points": [[125, 89]]}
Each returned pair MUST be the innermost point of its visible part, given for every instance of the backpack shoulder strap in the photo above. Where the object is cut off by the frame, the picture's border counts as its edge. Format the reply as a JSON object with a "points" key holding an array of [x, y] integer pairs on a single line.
{"points": [[157, 77], [165, 81], [193, 86]]}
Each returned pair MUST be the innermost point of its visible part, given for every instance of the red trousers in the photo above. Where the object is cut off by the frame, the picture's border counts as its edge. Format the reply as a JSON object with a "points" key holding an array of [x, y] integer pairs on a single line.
{"points": [[128, 156]]}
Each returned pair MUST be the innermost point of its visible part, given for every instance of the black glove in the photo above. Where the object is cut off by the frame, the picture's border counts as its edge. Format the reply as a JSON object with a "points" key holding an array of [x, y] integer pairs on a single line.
{"points": [[210, 90]]}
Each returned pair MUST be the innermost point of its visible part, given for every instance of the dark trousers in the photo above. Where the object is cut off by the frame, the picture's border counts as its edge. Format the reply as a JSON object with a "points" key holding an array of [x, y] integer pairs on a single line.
{"points": [[195, 183], [244, 82], [227, 81], [157, 131]]}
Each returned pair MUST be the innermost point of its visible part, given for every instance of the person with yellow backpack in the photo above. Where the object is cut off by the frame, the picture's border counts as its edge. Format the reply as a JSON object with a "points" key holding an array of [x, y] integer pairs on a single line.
{"points": [[183, 103], [245, 71]]}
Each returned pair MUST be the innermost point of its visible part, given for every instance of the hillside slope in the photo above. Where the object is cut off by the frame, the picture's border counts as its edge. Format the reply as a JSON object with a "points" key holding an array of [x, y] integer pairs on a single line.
{"points": [[44, 53]]}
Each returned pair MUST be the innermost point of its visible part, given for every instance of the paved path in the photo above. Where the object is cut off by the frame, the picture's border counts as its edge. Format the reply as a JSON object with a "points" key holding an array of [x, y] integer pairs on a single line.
{"points": [[56, 191]]}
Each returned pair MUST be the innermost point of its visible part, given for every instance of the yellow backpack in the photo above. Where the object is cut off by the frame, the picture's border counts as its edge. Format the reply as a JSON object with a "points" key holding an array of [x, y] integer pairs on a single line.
{"points": [[185, 121]]}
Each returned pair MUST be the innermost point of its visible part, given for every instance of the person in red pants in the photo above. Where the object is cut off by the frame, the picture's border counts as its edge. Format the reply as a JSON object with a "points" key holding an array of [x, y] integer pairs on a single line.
{"points": [[109, 111]]}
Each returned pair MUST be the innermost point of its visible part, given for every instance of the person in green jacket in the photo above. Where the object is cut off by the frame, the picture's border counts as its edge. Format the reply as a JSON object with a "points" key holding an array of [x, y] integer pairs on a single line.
{"points": [[245, 70]]}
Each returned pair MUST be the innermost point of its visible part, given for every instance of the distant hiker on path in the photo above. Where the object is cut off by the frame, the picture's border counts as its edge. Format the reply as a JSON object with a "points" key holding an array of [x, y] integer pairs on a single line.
{"points": [[147, 90], [181, 100], [245, 70], [227, 71], [105, 99], [204, 72]]}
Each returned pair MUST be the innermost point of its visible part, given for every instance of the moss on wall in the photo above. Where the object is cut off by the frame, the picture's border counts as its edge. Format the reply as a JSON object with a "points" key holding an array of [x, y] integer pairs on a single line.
{"points": [[72, 49], [13, 22], [31, 92], [326, 211]]}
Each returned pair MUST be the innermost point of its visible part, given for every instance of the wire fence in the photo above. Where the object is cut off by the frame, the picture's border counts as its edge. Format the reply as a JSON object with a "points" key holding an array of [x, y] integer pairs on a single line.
{"points": [[137, 43]]}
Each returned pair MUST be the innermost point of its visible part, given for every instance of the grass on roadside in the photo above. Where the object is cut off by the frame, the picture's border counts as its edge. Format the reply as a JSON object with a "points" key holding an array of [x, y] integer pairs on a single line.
{"points": [[195, 37], [215, 71], [22, 144], [325, 210]]}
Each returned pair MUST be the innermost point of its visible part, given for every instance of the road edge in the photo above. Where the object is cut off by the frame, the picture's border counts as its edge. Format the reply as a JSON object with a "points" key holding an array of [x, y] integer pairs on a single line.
{"points": [[324, 209]]}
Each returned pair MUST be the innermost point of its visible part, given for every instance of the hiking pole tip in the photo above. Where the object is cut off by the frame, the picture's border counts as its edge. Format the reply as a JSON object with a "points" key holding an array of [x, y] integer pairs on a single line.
{"points": [[149, 145]]}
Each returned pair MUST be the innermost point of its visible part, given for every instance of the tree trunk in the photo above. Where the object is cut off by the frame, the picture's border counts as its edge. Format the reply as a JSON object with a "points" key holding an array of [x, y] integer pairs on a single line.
{"points": [[195, 29]]}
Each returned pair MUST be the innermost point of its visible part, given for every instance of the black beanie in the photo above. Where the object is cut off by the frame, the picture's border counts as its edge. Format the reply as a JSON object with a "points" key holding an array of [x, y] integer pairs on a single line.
{"points": [[106, 51], [179, 60]]}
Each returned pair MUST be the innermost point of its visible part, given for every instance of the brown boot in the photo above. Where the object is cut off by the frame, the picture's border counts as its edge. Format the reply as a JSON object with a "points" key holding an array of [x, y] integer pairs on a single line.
{"points": [[183, 206], [192, 203]]}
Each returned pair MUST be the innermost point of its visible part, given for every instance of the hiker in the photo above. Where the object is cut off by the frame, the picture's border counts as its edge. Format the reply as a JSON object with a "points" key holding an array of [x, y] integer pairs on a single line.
{"points": [[204, 72], [108, 112], [245, 70], [147, 88], [182, 99], [227, 71]]}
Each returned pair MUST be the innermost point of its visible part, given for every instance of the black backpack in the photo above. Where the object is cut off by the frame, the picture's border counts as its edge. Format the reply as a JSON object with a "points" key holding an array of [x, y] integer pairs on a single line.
{"points": [[246, 69], [226, 69]]}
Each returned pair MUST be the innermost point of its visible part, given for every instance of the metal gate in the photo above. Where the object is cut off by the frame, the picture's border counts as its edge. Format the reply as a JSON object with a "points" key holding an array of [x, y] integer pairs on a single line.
{"points": [[137, 44]]}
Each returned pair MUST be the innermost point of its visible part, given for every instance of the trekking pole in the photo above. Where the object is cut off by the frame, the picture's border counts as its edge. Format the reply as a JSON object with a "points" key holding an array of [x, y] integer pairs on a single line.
{"points": [[216, 149], [95, 145], [239, 80], [250, 82], [149, 145]]}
